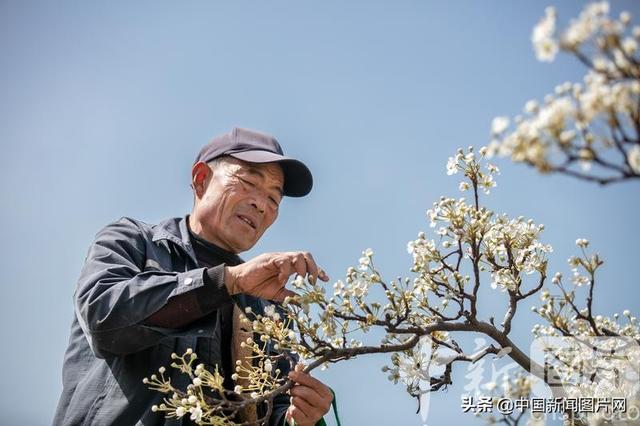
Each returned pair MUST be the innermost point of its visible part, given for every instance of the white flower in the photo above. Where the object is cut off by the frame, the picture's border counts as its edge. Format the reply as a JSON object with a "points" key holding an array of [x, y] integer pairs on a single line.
{"points": [[582, 242], [469, 157], [254, 395], [579, 280], [410, 247], [270, 310], [196, 414], [567, 136], [268, 367], [555, 113], [180, 411], [625, 17], [452, 165], [531, 106], [633, 156], [197, 381], [237, 389], [364, 262], [487, 183], [298, 282], [629, 46], [192, 399], [499, 125], [463, 187], [544, 45]]}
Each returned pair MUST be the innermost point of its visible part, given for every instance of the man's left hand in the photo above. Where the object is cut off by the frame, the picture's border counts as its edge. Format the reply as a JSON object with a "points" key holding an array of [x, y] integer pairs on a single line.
{"points": [[310, 398]]}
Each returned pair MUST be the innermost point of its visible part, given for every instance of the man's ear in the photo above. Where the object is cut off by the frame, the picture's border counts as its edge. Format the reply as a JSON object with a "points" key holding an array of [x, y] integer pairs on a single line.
{"points": [[200, 174]]}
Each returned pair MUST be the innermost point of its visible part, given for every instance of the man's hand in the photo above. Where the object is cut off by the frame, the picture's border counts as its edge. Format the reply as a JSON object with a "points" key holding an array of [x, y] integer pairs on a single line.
{"points": [[310, 398], [265, 276]]}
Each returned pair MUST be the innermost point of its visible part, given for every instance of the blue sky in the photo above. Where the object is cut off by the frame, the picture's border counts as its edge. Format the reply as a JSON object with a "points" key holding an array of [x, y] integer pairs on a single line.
{"points": [[105, 105]]}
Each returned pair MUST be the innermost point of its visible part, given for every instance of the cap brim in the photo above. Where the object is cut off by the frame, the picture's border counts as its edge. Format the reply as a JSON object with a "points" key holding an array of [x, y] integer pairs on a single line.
{"points": [[298, 180]]}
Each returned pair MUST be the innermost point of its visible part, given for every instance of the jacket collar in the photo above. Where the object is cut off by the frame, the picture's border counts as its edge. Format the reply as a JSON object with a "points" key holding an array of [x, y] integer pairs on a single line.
{"points": [[176, 231]]}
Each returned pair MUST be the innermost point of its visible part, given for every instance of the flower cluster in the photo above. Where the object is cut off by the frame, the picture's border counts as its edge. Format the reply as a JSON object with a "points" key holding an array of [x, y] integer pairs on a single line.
{"points": [[205, 400], [589, 130], [193, 401], [512, 250], [565, 317], [589, 354]]}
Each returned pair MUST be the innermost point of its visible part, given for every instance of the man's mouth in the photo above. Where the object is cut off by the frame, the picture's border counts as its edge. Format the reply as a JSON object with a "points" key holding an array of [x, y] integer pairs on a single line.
{"points": [[247, 220]]}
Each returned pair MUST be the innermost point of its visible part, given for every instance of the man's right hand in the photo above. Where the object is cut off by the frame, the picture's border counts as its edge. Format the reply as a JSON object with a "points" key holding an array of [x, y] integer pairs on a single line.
{"points": [[265, 276]]}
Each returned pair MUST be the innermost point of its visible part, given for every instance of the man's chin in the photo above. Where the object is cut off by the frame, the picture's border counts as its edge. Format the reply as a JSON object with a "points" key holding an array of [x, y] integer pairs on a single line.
{"points": [[242, 246]]}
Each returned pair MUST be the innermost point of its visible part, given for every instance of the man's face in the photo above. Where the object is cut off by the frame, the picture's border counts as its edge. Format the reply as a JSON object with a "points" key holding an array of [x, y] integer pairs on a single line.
{"points": [[240, 202]]}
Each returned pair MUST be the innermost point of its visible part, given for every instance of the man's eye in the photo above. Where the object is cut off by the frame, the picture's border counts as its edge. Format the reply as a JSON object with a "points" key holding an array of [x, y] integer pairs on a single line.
{"points": [[247, 182]]}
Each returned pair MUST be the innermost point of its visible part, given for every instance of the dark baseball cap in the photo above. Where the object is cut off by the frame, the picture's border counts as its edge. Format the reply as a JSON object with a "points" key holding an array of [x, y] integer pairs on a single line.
{"points": [[255, 147]]}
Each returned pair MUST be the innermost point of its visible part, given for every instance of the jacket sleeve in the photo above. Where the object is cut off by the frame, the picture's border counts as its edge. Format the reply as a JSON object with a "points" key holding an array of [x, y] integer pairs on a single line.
{"points": [[115, 295]]}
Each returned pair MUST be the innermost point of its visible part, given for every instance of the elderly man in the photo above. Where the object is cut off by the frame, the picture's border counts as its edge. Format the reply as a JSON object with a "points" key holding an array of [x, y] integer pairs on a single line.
{"points": [[147, 291]]}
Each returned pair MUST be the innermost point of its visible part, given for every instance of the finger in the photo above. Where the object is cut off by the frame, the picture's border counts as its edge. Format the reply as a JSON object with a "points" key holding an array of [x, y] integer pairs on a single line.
{"points": [[285, 269], [312, 268], [311, 382], [309, 410], [299, 416], [323, 275], [309, 395], [299, 264]]}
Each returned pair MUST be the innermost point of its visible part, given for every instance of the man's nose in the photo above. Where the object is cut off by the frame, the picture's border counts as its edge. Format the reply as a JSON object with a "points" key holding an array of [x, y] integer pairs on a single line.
{"points": [[259, 203]]}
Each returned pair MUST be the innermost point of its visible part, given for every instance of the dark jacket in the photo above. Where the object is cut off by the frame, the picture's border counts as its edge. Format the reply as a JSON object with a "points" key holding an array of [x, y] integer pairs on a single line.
{"points": [[132, 269]]}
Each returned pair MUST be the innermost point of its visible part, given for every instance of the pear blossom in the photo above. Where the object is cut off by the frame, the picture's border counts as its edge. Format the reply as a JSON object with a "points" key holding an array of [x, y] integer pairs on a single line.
{"points": [[268, 367], [544, 44], [499, 125], [531, 106], [452, 166], [196, 414], [582, 242]]}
